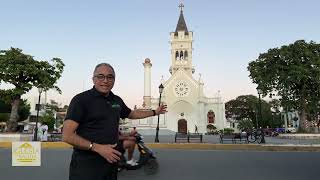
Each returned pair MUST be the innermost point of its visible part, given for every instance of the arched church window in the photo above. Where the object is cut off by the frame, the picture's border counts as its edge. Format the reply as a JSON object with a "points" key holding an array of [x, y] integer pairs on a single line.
{"points": [[177, 55], [186, 55], [211, 116], [181, 55]]}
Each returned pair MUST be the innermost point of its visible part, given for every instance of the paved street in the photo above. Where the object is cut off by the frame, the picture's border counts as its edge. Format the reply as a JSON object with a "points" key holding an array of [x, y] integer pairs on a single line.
{"points": [[183, 164]]}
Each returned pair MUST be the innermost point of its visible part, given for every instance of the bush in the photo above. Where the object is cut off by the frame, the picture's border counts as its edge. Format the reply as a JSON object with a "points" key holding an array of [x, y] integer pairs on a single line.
{"points": [[228, 131], [212, 133], [4, 117], [211, 129]]}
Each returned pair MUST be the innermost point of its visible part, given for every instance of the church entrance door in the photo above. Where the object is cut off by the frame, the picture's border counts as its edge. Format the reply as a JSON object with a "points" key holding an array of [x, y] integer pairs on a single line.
{"points": [[182, 126]]}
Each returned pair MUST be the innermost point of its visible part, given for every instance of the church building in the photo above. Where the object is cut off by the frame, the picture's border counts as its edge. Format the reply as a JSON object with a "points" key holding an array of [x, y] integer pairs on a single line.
{"points": [[189, 110]]}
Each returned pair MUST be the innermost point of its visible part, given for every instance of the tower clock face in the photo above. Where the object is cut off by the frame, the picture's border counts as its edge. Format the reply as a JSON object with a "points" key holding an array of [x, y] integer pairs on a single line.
{"points": [[181, 89]]}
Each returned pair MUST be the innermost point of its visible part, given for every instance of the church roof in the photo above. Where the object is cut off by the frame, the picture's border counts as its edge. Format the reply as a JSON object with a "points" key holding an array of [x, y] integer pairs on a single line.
{"points": [[181, 26]]}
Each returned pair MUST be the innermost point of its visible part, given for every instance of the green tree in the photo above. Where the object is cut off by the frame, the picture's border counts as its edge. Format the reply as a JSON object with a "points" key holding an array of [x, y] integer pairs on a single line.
{"points": [[245, 124], [243, 107], [53, 105], [48, 119], [247, 107], [23, 110], [276, 113], [65, 108], [4, 107], [24, 72], [293, 72]]}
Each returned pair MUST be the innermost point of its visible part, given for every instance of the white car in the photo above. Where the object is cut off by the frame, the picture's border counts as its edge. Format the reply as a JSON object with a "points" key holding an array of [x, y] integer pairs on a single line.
{"points": [[291, 130]]}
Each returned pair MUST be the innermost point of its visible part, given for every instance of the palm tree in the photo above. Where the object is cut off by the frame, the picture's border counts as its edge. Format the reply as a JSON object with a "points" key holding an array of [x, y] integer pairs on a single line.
{"points": [[245, 124]]}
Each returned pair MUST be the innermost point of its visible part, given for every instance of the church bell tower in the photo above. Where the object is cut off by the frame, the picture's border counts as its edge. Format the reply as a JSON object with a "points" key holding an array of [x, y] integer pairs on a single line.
{"points": [[181, 47]]}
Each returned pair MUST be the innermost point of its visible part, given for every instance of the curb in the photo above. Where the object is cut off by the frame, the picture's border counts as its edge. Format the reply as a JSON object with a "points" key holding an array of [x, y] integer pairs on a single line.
{"points": [[196, 146]]}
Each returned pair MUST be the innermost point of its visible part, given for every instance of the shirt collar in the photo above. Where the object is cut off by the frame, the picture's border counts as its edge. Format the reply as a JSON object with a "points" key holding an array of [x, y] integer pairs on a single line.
{"points": [[95, 92]]}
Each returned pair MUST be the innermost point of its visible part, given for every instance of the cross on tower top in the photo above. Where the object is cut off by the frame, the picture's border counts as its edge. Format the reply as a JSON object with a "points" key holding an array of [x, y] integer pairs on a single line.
{"points": [[181, 6]]}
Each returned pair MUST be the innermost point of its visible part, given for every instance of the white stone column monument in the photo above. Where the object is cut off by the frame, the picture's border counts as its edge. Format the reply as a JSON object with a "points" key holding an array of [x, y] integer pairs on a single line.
{"points": [[147, 84]]}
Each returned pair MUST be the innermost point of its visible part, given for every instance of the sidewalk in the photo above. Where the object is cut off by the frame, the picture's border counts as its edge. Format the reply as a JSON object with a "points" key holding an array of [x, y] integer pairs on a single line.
{"points": [[211, 142], [214, 139], [299, 136]]}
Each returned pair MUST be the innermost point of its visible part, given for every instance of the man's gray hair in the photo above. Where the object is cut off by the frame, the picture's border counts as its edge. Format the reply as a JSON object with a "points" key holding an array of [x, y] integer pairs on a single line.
{"points": [[103, 64]]}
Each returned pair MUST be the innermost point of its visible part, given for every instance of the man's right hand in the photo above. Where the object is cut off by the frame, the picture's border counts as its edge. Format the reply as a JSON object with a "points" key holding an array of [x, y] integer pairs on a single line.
{"points": [[107, 151], [133, 132], [131, 138]]}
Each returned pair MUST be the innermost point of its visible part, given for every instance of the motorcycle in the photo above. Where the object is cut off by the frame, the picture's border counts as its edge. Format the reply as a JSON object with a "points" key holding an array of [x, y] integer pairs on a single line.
{"points": [[147, 158]]}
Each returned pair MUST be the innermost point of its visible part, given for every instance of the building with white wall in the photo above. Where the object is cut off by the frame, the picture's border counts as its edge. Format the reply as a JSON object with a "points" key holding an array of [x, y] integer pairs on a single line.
{"points": [[188, 107]]}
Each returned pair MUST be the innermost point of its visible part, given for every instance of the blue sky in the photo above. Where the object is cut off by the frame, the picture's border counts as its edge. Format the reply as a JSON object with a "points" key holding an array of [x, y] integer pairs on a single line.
{"points": [[227, 36]]}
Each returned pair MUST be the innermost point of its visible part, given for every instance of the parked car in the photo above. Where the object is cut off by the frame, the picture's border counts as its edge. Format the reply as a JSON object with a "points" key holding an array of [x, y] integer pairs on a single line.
{"points": [[280, 130], [291, 130]]}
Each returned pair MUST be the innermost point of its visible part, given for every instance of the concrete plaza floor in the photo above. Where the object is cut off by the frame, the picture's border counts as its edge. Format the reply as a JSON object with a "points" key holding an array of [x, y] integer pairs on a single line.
{"points": [[278, 140]]}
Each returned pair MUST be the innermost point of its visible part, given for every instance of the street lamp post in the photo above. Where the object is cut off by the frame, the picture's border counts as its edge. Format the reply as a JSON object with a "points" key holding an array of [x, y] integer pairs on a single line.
{"points": [[35, 136], [260, 115], [157, 129], [257, 124]]}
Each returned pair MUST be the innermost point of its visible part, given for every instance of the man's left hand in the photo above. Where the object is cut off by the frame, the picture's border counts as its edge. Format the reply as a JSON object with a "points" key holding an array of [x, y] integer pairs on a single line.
{"points": [[161, 109]]}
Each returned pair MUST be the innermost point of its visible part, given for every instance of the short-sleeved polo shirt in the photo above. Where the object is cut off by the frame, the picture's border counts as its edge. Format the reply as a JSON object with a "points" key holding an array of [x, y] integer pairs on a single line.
{"points": [[97, 115]]}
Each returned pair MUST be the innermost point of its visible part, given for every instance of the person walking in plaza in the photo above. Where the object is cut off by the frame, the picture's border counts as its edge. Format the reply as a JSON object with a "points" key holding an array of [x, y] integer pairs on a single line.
{"points": [[43, 130], [91, 127]]}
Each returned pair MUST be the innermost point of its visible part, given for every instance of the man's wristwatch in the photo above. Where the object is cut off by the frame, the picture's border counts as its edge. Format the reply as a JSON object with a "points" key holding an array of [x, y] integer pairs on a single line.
{"points": [[154, 112], [90, 146]]}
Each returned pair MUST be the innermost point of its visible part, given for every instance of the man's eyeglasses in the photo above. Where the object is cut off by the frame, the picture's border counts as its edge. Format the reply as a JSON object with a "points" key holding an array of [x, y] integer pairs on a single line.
{"points": [[102, 77]]}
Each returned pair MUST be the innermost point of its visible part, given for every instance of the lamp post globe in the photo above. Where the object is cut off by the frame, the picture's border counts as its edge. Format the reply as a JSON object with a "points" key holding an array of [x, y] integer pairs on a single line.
{"points": [[157, 129], [35, 135]]}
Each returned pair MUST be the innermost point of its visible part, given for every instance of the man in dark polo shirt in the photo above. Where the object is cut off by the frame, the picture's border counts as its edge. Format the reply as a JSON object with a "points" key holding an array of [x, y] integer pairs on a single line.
{"points": [[91, 127]]}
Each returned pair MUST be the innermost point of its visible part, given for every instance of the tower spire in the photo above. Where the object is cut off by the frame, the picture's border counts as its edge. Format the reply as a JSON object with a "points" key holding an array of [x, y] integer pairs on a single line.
{"points": [[181, 25]]}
